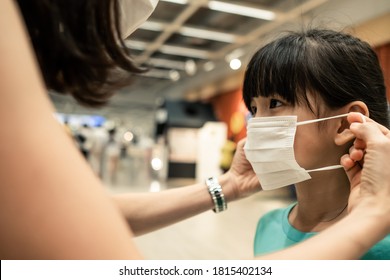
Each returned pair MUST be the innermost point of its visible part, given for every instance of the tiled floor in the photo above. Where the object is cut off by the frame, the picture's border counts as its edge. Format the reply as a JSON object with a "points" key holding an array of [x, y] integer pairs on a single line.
{"points": [[227, 235]]}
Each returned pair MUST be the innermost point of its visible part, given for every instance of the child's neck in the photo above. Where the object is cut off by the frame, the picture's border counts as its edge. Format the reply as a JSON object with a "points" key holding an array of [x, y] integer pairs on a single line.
{"points": [[322, 201]]}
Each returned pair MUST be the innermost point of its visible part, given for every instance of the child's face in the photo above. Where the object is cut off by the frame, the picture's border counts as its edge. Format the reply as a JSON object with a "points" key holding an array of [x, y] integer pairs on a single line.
{"points": [[314, 145]]}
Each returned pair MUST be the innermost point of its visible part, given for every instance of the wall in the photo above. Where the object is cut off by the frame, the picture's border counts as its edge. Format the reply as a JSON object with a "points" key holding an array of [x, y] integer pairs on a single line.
{"points": [[383, 53], [230, 109]]}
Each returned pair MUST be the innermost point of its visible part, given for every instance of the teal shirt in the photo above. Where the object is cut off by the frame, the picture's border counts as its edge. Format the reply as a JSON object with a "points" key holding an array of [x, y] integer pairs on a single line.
{"points": [[274, 232]]}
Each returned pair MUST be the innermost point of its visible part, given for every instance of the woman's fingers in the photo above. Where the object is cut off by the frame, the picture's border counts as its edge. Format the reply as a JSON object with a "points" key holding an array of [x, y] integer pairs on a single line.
{"points": [[351, 167], [356, 154], [354, 118]]}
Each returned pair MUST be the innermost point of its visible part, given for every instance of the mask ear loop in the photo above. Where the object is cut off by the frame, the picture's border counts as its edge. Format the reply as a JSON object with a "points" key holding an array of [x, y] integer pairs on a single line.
{"points": [[325, 168], [323, 119]]}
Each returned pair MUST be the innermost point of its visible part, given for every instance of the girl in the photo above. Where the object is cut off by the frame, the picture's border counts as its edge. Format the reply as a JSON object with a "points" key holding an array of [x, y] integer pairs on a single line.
{"points": [[312, 75]]}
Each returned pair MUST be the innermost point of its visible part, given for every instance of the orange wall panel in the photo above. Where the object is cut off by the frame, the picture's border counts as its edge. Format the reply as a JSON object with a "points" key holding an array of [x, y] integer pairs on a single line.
{"points": [[230, 108]]}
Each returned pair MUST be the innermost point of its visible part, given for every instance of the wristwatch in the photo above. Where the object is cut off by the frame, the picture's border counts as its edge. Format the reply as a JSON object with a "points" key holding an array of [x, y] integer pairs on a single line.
{"points": [[217, 195]]}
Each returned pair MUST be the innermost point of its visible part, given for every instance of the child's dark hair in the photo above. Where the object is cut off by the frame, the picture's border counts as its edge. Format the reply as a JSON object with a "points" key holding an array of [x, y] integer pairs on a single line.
{"points": [[331, 65], [79, 47]]}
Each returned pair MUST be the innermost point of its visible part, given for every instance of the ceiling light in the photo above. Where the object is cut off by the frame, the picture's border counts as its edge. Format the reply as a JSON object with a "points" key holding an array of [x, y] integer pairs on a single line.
{"points": [[235, 64], [182, 2], [135, 45], [181, 51], [169, 49], [191, 32], [172, 75], [209, 66], [241, 10], [189, 66], [207, 34], [152, 25]]}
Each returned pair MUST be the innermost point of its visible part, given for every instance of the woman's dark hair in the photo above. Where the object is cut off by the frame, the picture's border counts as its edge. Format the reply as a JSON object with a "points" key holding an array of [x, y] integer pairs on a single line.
{"points": [[334, 66], [79, 47]]}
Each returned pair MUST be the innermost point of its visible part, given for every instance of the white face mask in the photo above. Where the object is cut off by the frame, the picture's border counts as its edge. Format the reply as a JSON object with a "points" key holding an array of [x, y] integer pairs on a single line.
{"points": [[134, 13], [270, 150]]}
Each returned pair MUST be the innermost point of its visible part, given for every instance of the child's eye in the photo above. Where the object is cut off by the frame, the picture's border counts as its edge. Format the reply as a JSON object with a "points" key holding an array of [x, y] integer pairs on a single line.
{"points": [[274, 103]]}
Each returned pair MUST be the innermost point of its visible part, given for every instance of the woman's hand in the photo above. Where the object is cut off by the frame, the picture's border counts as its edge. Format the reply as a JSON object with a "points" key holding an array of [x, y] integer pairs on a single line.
{"points": [[240, 180], [368, 165]]}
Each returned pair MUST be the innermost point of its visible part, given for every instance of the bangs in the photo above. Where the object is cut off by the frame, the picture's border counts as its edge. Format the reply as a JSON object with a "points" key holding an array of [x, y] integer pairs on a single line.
{"points": [[278, 68]]}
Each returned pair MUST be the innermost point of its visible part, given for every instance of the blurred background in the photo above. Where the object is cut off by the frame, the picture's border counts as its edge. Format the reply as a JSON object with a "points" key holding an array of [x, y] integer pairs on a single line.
{"points": [[178, 123]]}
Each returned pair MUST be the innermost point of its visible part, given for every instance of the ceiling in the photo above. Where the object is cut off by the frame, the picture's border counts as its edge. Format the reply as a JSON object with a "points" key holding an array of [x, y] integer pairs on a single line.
{"points": [[188, 44]]}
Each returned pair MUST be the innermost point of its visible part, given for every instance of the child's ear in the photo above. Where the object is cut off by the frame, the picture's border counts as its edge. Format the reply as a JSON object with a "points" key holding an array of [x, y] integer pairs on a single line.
{"points": [[344, 135]]}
